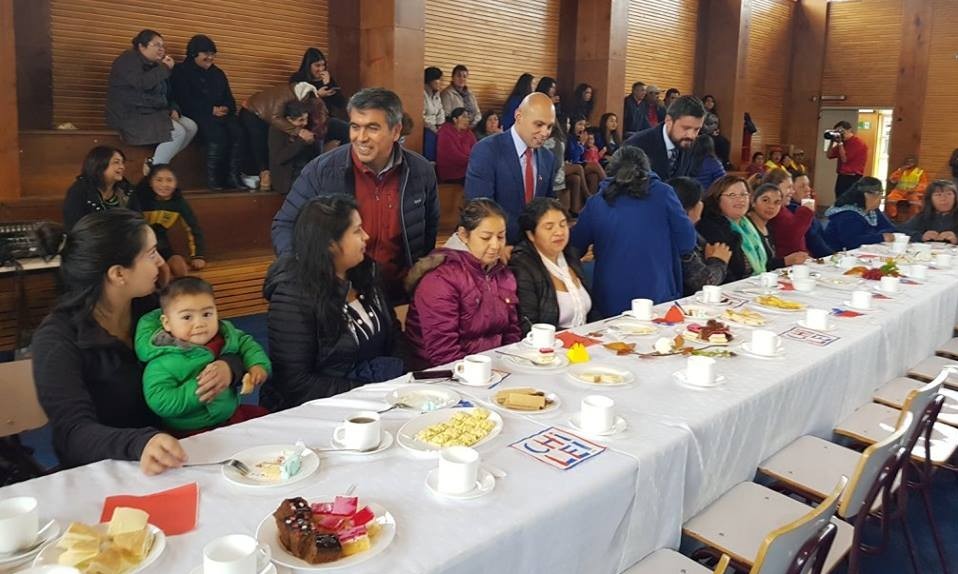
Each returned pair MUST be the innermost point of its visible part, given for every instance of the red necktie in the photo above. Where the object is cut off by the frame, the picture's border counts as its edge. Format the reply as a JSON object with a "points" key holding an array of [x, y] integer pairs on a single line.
{"points": [[530, 177]]}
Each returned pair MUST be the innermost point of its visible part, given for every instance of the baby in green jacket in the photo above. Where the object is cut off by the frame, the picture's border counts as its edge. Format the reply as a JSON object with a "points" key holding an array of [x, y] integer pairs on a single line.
{"points": [[181, 339]]}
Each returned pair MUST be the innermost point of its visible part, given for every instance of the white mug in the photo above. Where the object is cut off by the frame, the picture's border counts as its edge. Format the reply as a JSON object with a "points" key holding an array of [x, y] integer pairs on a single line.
{"points": [[801, 272], [901, 238], [458, 470], [541, 336], [809, 203], [847, 261], [235, 554], [19, 523], [943, 260], [769, 280], [899, 248], [642, 309], [889, 284], [361, 430], [475, 369], [804, 284], [861, 300], [711, 294], [765, 342], [597, 413], [816, 318], [700, 370], [918, 271]]}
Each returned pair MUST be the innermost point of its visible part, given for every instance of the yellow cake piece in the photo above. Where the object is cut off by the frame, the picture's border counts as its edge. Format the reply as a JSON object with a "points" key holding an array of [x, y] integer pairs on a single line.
{"points": [[356, 545]]}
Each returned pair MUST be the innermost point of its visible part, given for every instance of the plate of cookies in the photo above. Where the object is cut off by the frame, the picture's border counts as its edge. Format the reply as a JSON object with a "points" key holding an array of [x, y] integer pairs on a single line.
{"points": [[526, 400]]}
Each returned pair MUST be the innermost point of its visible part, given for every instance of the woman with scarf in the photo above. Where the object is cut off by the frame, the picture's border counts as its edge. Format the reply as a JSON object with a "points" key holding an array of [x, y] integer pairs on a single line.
{"points": [[724, 220]]}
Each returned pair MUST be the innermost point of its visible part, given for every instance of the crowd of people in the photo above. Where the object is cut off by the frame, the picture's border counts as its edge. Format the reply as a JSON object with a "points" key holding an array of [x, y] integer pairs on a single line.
{"points": [[124, 369]]}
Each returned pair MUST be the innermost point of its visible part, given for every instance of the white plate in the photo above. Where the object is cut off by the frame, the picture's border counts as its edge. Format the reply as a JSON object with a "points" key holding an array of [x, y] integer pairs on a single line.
{"points": [[575, 373], [270, 569], [699, 312], [485, 484], [268, 534], [494, 379], [22, 555], [618, 426], [526, 343], [258, 454], [418, 396], [679, 377], [51, 553], [407, 434], [831, 326], [779, 310], [634, 327], [693, 338], [629, 314], [384, 443], [549, 408], [746, 349], [560, 362], [840, 283]]}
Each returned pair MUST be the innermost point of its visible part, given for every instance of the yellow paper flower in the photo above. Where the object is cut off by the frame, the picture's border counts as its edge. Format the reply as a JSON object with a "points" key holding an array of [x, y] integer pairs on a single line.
{"points": [[577, 353]]}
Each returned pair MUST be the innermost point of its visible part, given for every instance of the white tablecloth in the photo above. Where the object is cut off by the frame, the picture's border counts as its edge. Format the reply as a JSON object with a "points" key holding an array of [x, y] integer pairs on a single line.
{"points": [[683, 449]]}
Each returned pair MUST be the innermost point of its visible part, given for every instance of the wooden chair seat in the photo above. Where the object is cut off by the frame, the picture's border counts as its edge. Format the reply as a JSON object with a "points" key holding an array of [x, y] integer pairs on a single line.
{"points": [[895, 391], [873, 422], [667, 561], [929, 368], [738, 522], [949, 350], [20, 409]]}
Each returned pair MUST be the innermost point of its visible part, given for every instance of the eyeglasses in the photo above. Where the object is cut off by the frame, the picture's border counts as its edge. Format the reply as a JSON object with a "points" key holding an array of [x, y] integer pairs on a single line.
{"points": [[735, 195], [156, 45]]}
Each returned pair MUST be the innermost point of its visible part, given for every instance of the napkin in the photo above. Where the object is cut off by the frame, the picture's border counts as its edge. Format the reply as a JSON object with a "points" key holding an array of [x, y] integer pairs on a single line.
{"points": [[172, 511], [845, 313], [569, 338], [786, 286], [880, 296]]}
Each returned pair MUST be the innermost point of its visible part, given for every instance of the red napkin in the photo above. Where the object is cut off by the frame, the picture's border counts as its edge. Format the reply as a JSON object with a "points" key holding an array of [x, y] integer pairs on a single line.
{"points": [[569, 338], [172, 511], [880, 296], [845, 313], [786, 286]]}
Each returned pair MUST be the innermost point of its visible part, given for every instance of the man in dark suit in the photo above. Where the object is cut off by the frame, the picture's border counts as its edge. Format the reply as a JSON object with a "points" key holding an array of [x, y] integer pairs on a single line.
{"points": [[669, 145], [512, 167]]}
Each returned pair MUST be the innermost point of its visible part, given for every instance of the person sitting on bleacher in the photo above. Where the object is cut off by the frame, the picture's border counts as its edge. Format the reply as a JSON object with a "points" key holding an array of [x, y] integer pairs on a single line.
{"points": [[454, 143], [289, 153], [138, 100], [99, 187], [202, 91], [163, 206]]}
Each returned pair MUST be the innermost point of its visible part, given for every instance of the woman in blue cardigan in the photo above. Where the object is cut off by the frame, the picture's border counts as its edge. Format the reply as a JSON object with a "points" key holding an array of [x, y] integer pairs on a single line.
{"points": [[855, 219], [638, 231], [522, 89]]}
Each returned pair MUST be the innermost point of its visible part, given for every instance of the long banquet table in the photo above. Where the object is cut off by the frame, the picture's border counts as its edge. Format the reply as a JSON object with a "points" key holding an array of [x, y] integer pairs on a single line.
{"points": [[683, 448]]}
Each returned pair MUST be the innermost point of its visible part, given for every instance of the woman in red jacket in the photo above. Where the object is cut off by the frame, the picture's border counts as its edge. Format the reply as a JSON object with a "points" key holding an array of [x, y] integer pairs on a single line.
{"points": [[788, 228], [453, 146], [465, 299]]}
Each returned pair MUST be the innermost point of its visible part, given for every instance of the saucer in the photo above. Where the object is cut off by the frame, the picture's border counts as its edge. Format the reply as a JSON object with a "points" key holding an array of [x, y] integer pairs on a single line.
{"points": [[495, 378], [747, 349], [8, 558], [628, 313], [270, 569], [857, 309], [830, 327], [722, 303], [618, 426], [558, 344], [485, 483], [679, 377], [384, 443]]}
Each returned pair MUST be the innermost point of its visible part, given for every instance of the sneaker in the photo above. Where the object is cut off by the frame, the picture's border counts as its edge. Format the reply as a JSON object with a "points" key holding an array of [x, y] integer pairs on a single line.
{"points": [[251, 182]]}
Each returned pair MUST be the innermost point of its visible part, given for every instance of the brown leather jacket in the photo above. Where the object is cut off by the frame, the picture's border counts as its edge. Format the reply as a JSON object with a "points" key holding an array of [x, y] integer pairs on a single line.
{"points": [[268, 106]]}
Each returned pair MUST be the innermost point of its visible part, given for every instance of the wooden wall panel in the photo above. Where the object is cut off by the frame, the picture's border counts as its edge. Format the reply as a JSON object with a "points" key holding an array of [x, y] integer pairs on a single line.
{"points": [[939, 130], [767, 68], [259, 44], [861, 57], [662, 42], [498, 40]]}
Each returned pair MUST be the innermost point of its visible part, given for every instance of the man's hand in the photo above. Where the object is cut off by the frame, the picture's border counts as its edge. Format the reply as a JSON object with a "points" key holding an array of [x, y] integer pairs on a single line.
{"points": [[213, 380]]}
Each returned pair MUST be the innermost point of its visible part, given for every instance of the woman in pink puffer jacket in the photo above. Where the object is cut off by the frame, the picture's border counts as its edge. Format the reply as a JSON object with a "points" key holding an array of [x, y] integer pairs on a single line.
{"points": [[463, 295]]}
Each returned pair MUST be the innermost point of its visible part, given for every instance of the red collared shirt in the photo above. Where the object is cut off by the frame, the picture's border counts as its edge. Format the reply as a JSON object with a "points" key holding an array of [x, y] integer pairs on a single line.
{"points": [[377, 196], [856, 154]]}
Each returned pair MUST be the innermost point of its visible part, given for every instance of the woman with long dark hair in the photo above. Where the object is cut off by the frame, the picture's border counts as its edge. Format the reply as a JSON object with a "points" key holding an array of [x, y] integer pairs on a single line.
{"points": [[766, 204], [549, 87], [489, 125], [330, 326], [100, 186], [706, 166], [855, 219], [638, 231], [938, 219], [521, 89], [608, 134], [583, 103], [724, 220], [313, 68], [88, 378]]}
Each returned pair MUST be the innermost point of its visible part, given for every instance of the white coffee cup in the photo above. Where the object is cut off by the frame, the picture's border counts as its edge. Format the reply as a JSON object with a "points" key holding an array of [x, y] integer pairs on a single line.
{"points": [[700, 371], [847, 261], [898, 248], [809, 203], [801, 272], [917, 271], [861, 300], [816, 318], [769, 280], [901, 238], [19, 522], [943, 260], [476, 369], [889, 284], [458, 470], [765, 342], [50, 569], [804, 284], [642, 309], [361, 430], [597, 413], [711, 294], [235, 554], [542, 335]]}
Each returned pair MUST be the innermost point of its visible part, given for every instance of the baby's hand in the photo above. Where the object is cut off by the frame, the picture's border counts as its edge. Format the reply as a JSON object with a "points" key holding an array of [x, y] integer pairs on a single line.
{"points": [[252, 379]]}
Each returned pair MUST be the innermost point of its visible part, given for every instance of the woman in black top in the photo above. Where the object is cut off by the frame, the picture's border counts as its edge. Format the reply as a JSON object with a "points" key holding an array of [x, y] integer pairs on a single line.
{"points": [[583, 103], [938, 220], [99, 187], [313, 69], [330, 327]]}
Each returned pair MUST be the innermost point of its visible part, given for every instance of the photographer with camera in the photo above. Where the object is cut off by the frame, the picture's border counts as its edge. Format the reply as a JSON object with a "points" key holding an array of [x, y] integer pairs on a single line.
{"points": [[851, 152]]}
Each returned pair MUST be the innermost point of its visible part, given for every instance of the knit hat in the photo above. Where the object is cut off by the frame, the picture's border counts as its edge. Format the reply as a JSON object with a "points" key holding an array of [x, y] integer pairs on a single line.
{"points": [[200, 43], [303, 89]]}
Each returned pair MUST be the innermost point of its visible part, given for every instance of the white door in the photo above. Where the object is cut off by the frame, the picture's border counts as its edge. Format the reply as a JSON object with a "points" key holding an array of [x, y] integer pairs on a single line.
{"points": [[825, 176]]}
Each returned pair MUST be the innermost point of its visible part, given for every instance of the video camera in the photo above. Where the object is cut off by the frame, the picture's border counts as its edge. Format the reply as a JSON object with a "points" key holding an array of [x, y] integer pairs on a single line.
{"points": [[833, 135]]}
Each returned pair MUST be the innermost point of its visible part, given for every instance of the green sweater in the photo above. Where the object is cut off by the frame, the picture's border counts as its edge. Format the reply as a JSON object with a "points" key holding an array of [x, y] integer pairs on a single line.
{"points": [[169, 380]]}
